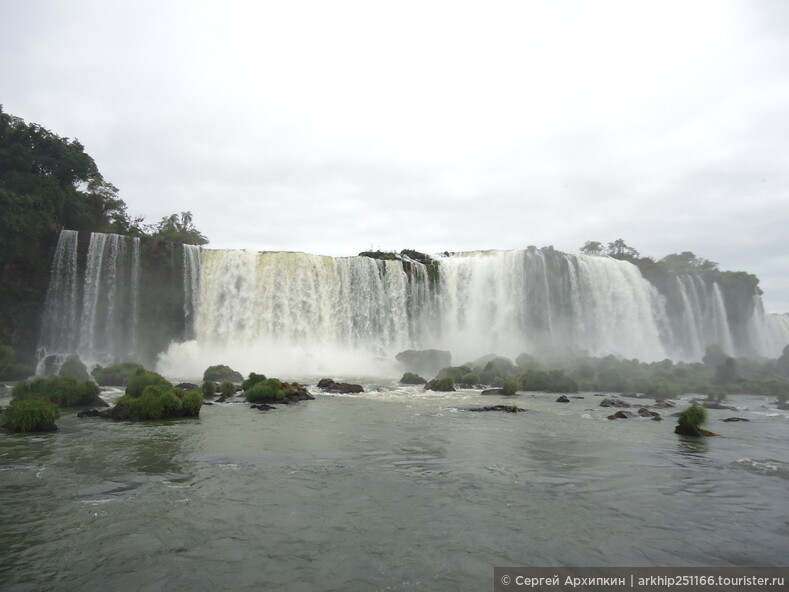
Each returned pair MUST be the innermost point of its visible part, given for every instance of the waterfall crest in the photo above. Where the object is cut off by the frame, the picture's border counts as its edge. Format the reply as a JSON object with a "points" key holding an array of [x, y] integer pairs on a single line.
{"points": [[299, 314]]}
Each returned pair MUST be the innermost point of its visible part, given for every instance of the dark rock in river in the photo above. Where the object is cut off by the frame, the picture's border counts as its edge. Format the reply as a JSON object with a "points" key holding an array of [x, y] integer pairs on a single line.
{"points": [[187, 386], [715, 405], [99, 402], [621, 415], [735, 419], [262, 407], [330, 386], [614, 403], [563, 399], [505, 408], [493, 391], [411, 378], [664, 404], [685, 431], [782, 406]]}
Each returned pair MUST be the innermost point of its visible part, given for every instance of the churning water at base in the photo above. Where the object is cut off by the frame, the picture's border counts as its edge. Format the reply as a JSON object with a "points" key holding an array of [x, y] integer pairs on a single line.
{"points": [[395, 490]]}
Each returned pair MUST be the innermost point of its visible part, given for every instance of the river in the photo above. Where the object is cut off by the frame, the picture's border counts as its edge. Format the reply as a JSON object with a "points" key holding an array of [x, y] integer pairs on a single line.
{"points": [[392, 490]]}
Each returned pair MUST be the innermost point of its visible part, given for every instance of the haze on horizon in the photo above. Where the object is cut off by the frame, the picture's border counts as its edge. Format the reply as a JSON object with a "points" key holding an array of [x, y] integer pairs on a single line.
{"points": [[333, 128]]}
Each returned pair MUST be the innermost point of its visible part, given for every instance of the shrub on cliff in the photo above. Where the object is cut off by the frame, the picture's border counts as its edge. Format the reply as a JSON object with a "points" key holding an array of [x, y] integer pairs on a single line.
{"points": [[34, 415], [63, 391], [115, 375], [142, 379]]}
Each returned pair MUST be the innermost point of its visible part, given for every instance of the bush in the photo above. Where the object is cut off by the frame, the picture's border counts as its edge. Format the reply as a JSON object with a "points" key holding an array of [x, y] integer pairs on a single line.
{"points": [[252, 381], [411, 378], [161, 402], [227, 388], [63, 391], [34, 415], [470, 378], [445, 384], [142, 379], [220, 373], [663, 390], [509, 387], [693, 418], [270, 390], [117, 374], [74, 367], [208, 389]]}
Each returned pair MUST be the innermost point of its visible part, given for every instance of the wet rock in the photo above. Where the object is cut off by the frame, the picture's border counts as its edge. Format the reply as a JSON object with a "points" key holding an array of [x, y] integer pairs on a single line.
{"points": [[715, 405], [664, 404], [576, 397], [99, 402], [94, 413], [685, 431], [493, 391], [504, 408], [330, 386], [644, 412], [187, 386], [262, 407], [621, 415], [563, 399], [614, 403], [735, 419], [783, 406]]}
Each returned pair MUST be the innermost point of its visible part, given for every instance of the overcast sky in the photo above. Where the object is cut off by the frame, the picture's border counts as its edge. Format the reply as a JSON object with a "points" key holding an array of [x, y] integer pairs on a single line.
{"points": [[336, 127]]}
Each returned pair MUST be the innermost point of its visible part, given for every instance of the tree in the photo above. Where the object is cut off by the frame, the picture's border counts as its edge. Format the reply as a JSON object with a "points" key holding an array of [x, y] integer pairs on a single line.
{"points": [[619, 249], [178, 229], [687, 262], [592, 248]]}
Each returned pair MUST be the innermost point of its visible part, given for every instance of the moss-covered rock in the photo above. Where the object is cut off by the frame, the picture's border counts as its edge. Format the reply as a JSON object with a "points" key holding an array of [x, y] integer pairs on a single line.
{"points": [[445, 385], [74, 367], [273, 390], [63, 391], [117, 374], [142, 379], [158, 401], [33, 415], [221, 373], [411, 378]]}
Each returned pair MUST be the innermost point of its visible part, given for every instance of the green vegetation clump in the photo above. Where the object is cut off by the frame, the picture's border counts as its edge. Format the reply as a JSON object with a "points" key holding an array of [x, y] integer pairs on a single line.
{"points": [[159, 401], [691, 420], [509, 387], [33, 415], [74, 367], [662, 389], [470, 378], [445, 384], [383, 255], [268, 390], [411, 378], [208, 388], [142, 379], [553, 381], [221, 373], [253, 379], [63, 391], [227, 388], [117, 374]]}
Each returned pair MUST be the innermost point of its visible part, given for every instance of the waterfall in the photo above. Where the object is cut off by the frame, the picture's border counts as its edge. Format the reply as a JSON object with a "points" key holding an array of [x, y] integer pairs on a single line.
{"points": [[298, 314], [97, 318], [539, 301], [59, 323], [191, 288]]}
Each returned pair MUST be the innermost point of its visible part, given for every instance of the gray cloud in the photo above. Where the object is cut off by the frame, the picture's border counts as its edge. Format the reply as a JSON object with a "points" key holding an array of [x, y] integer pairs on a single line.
{"points": [[333, 128]]}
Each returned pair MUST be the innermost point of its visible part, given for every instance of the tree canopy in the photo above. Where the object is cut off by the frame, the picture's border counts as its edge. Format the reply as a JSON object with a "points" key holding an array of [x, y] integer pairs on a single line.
{"points": [[49, 182]]}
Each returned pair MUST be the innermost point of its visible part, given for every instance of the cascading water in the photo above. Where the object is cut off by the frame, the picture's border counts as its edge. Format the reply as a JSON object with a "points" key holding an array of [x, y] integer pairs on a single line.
{"points": [[191, 288], [298, 314], [95, 319], [543, 301]]}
